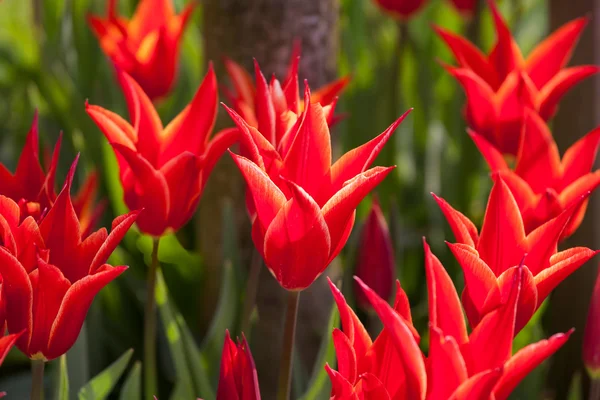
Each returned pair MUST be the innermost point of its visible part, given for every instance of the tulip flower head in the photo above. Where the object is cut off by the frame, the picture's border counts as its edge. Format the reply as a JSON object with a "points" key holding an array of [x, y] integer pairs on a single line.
{"points": [[51, 273], [301, 200], [591, 336], [375, 264], [465, 7], [490, 257], [32, 186], [147, 46], [273, 108], [544, 185], [164, 170], [500, 85], [458, 365], [400, 9], [238, 378]]}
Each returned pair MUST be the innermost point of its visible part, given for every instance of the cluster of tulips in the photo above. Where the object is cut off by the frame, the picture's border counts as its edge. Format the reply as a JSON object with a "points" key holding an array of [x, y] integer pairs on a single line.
{"points": [[302, 206]]}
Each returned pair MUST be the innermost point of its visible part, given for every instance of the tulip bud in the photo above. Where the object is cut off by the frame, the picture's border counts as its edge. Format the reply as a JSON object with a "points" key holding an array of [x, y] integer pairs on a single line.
{"points": [[591, 336], [238, 378], [375, 260], [465, 7], [400, 9]]}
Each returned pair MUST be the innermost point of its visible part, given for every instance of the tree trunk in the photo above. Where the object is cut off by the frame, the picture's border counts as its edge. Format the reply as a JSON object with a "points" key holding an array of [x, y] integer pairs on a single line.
{"points": [[266, 30], [578, 114]]}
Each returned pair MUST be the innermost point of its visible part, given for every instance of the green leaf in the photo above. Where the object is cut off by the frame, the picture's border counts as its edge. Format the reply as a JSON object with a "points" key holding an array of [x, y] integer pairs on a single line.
{"points": [[102, 384], [62, 380], [132, 388], [319, 385]]}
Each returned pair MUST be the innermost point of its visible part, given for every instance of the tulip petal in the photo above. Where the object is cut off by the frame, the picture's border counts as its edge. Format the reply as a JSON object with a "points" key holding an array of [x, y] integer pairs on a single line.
{"points": [[446, 368], [344, 353], [241, 80], [341, 389], [528, 298], [120, 226], [505, 55], [265, 111], [6, 343], [113, 126], [445, 311], [525, 361], [463, 229], [74, 308], [403, 340], [327, 94], [298, 226], [491, 154], [478, 386], [580, 188], [216, 147], [579, 158], [227, 388]]}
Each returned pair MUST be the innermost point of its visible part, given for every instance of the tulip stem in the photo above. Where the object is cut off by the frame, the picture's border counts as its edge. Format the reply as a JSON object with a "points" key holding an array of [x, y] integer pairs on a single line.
{"points": [[37, 379], [150, 385], [595, 389], [250, 294], [287, 355]]}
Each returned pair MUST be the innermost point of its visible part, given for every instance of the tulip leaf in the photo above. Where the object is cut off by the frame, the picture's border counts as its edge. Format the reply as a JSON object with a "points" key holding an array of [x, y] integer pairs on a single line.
{"points": [[102, 384], [319, 385], [190, 370], [62, 379], [132, 388]]}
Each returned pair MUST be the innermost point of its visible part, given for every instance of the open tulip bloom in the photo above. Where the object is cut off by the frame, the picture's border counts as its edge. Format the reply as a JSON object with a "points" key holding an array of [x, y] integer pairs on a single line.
{"points": [[51, 273], [544, 185], [301, 200], [32, 186], [499, 85], [147, 46], [164, 170], [489, 258], [459, 365]]}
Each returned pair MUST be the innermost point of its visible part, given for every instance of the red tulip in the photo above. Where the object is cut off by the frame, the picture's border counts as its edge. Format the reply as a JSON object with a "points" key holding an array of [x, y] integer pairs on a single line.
{"points": [[238, 379], [465, 7], [164, 170], [544, 185], [302, 201], [400, 9], [273, 108], [32, 186], [591, 336], [51, 273], [375, 264], [147, 46], [458, 366], [500, 85], [491, 257], [6, 344]]}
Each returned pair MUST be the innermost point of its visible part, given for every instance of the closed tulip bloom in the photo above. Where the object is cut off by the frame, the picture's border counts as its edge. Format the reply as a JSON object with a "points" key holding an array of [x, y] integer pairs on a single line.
{"points": [[299, 199], [500, 85], [591, 336], [465, 7], [400, 9], [238, 379], [147, 45], [32, 186], [490, 257], [375, 264], [543, 184], [164, 170], [51, 273]]}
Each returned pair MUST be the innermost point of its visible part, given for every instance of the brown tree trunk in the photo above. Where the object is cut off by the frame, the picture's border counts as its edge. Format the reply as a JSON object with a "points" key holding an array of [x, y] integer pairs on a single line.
{"points": [[578, 114], [266, 30]]}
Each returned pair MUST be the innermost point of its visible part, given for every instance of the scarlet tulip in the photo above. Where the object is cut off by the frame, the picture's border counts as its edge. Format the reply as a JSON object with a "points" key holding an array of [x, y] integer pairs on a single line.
{"points": [[302, 201], [591, 336], [147, 46], [544, 185], [375, 264], [51, 273], [490, 258], [164, 170], [238, 379], [458, 366], [273, 108], [400, 9], [32, 186], [500, 85]]}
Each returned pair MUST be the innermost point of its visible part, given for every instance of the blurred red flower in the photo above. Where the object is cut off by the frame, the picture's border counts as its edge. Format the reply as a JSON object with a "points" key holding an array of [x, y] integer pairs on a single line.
{"points": [[400, 9], [491, 257], [164, 170], [51, 273], [465, 7], [147, 46], [238, 379], [500, 85], [305, 206], [544, 185]]}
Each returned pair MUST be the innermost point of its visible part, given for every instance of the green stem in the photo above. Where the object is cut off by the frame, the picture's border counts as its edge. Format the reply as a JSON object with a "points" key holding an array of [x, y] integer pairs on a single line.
{"points": [[285, 367], [37, 379], [150, 376], [250, 296], [595, 389]]}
